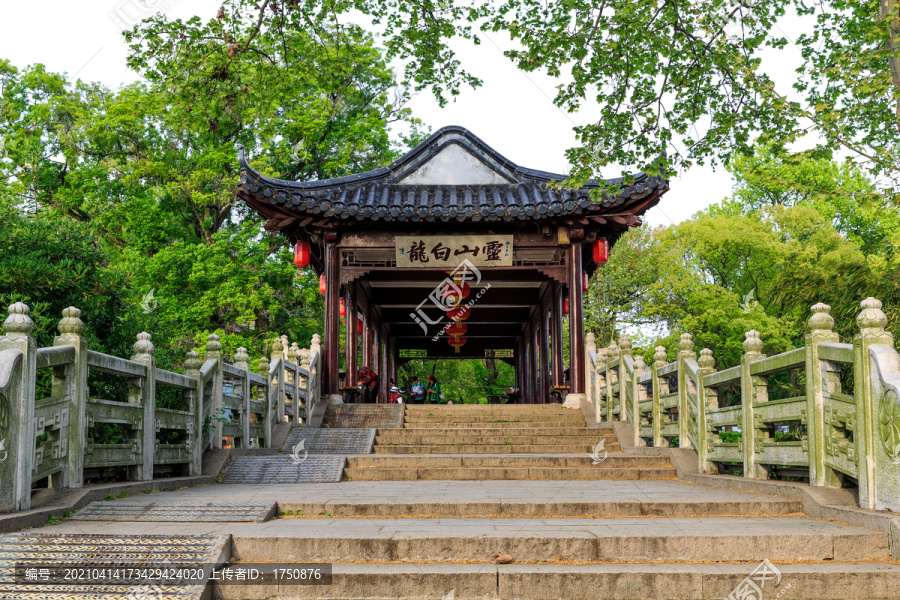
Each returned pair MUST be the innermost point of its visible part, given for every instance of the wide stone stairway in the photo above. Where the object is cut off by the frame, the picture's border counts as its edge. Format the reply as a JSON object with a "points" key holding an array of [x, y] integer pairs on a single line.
{"points": [[489, 502]]}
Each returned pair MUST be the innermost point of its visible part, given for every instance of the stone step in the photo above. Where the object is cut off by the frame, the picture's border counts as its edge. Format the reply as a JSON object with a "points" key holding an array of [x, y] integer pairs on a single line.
{"points": [[549, 420], [508, 474], [492, 425], [629, 540], [444, 461], [63, 551], [284, 469], [463, 448], [816, 581], [478, 430], [509, 435], [135, 510]]}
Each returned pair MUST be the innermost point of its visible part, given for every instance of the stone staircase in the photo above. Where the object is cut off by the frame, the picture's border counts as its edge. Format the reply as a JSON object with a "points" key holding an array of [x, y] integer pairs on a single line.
{"points": [[497, 442]]}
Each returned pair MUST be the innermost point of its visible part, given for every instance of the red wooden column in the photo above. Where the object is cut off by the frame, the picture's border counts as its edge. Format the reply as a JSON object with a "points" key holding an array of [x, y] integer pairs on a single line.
{"points": [[520, 365], [332, 319], [535, 365], [351, 337], [366, 340], [556, 320], [576, 323], [544, 349], [528, 396], [384, 364]]}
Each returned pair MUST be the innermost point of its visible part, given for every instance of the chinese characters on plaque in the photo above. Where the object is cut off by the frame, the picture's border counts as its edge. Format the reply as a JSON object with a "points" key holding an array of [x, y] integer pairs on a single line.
{"points": [[451, 250]]}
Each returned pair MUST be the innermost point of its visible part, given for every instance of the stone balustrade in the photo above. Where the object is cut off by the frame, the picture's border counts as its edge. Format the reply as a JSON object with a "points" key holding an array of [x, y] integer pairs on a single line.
{"points": [[50, 438], [828, 412]]}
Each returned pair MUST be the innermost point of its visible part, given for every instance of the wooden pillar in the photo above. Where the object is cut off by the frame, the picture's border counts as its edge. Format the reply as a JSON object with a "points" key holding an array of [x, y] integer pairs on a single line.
{"points": [[520, 368], [351, 336], [528, 395], [384, 365], [535, 368], [576, 323], [544, 349], [556, 319], [332, 319]]}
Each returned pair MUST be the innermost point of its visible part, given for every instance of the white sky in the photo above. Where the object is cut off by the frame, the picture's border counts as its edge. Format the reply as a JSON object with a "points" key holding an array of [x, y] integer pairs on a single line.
{"points": [[511, 112]]}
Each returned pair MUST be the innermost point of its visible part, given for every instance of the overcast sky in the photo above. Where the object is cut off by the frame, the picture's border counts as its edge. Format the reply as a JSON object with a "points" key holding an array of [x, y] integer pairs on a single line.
{"points": [[512, 111]]}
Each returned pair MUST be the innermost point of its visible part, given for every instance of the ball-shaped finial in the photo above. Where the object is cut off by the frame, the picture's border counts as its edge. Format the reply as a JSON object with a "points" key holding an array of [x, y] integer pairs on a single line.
{"points": [[316, 340], [263, 367], [192, 363], [143, 347], [213, 344], [660, 358], [71, 323], [753, 343], [241, 358], [18, 324], [589, 338], [821, 319], [686, 344], [706, 360], [871, 320], [640, 366], [277, 347], [624, 345], [612, 352]]}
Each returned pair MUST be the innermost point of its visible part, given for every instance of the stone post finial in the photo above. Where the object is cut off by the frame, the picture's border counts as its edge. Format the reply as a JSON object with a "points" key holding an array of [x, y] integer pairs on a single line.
{"points": [[18, 325], [316, 343], [277, 349], [143, 347], [753, 344], [263, 367], [71, 324], [871, 320], [624, 345], [660, 358], [241, 358], [706, 359], [284, 342], [602, 355], [640, 366], [686, 345], [292, 353], [821, 319], [590, 342], [192, 365], [612, 351], [213, 346]]}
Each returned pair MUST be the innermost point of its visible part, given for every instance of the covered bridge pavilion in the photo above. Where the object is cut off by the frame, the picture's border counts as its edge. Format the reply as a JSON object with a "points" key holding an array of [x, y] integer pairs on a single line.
{"points": [[451, 252]]}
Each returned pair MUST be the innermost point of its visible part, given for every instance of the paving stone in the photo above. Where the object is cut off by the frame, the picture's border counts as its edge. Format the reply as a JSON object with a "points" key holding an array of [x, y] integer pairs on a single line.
{"points": [[284, 469], [380, 416], [331, 441], [76, 550], [203, 512]]}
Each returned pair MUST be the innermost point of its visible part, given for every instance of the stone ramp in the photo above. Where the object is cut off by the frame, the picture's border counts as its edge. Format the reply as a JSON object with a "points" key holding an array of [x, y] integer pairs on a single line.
{"points": [[284, 469], [141, 552], [379, 416], [203, 512], [330, 441]]}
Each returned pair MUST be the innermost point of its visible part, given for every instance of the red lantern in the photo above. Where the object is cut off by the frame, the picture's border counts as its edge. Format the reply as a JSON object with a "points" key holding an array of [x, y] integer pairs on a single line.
{"points": [[457, 342], [449, 290], [565, 306], [601, 251], [322, 284], [585, 285], [457, 329], [359, 326], [343, 307], [301, 254], [459, 313]]}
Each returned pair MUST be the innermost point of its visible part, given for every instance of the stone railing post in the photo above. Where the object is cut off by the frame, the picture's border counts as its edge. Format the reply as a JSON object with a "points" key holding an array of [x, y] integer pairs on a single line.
{"points": [[818, 373], [686, 351], [302, 382], [264, 395], [638, 393], [71, 328], [624, 378], [612, 353], [316, 375], [753, 346], [242, 361], [278, 351], [17, 409], [590, 371], [660, 359], [143, 353], [192, 366], [214, 352], [871, 321], [706, 400]]}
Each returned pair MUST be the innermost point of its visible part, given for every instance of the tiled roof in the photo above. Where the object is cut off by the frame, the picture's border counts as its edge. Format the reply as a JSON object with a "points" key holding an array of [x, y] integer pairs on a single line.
{"points": [[380, 195]]}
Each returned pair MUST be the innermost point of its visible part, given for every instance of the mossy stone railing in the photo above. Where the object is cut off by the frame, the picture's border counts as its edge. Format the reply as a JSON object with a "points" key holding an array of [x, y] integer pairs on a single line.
{"points": [[49, 438], [828, 411]]}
